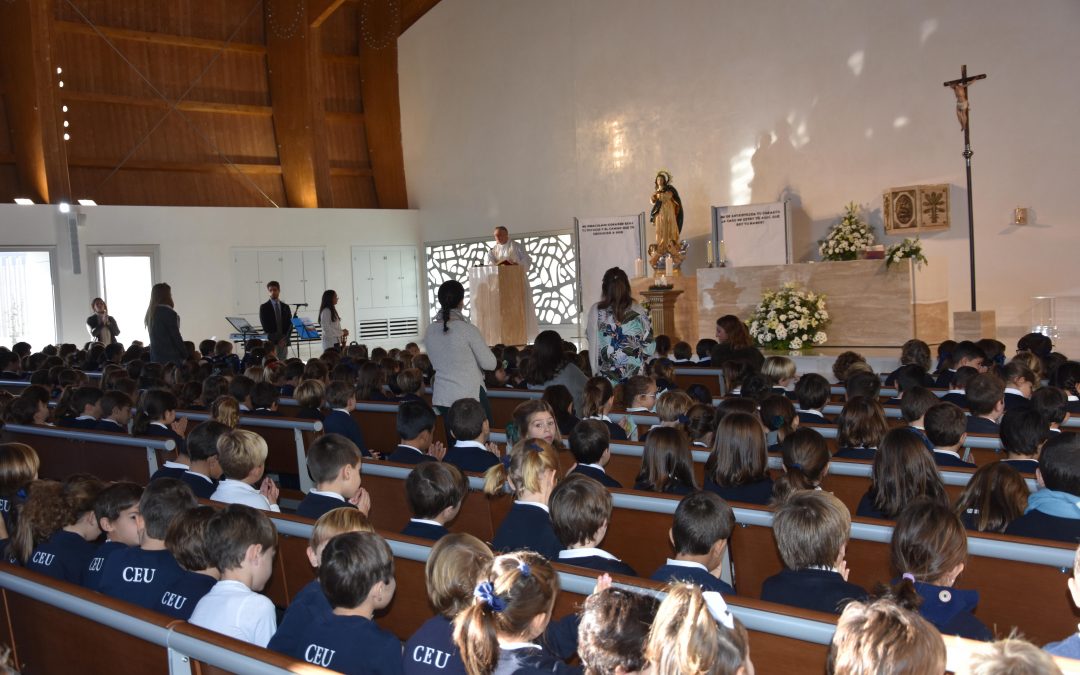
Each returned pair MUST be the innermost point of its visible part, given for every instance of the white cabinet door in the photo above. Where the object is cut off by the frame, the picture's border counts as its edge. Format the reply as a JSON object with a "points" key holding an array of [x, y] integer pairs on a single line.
{"points": [[247, 288]]}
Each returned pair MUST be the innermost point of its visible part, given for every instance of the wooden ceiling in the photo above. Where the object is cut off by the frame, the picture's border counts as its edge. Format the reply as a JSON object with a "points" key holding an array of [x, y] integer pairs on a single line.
{"points": [[203, 102]]}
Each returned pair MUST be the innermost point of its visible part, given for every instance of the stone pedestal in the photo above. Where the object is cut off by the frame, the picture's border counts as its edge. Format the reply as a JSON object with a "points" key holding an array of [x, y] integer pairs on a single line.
{"points": [[974, 325], [685, 308], [662, 310]]}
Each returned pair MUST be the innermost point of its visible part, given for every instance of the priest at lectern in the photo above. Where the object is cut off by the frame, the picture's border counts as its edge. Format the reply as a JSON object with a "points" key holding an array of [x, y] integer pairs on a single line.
{"points": [[507, 252]]}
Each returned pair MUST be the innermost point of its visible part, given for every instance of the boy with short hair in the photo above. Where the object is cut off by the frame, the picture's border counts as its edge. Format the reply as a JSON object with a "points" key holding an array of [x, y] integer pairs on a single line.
{"points": [[812, 392], [333, 462], [86, 402], [862, 383], [1052, 404], [958, 389], [704, 352], [241, 542], [917, 400], [242, 455], [945, 424], [416, 428], [469, 426], [1023, 433], [140, 574], [116, 510], [986, 401], [115, 412], [966, 353], [812, 530], [681, 354], [700, 531], [409, 382], [240, 388], [580, 516], [187, 541], [435, 492], [357, 575], [590, 444], [341, 398], [264, 400], [1070, 646], [204, 469], [290, 377], [1053, 511]]}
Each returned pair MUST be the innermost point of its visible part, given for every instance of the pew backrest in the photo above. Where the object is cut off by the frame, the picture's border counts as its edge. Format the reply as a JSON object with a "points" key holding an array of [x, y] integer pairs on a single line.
{"points": [[109, 456]]}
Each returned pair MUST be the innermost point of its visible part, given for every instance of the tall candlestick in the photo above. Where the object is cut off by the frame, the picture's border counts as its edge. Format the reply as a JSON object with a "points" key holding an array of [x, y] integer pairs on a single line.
{"points": [[708, 253], [667, 266], [639, 268], [723, 252]]}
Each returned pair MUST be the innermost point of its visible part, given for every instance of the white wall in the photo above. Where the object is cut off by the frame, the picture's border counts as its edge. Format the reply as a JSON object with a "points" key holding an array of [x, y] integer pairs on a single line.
{"points": [[532, 112], [195, 245]]}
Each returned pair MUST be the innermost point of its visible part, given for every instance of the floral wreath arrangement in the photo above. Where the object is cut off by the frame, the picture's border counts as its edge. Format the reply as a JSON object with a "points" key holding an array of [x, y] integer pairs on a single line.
{"points": [[909, 248], [790, 319], [848, 238]]}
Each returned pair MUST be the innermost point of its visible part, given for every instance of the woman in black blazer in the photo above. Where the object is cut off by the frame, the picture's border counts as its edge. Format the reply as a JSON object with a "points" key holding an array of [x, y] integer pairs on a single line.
{"points": [[166, 344], [102, 326]]}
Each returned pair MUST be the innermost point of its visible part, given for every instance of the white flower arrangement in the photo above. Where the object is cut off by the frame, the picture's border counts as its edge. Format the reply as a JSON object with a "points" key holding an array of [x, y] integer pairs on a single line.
{"points": [[790, 319], [909, 248], [848, 238]]}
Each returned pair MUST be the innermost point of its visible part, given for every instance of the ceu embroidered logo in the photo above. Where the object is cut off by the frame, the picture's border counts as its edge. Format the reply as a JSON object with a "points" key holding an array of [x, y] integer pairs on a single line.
{"points": [[44, 559], [320, 656], [95, 564], [5, 506], [139, 575], [430, 656], [173, 600]]}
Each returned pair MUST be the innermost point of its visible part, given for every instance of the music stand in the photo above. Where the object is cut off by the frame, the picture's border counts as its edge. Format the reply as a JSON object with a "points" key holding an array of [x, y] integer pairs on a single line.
{"points": [[244, 327]]}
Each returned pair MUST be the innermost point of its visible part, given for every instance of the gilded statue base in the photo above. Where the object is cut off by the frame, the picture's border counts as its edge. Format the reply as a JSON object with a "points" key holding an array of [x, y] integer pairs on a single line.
{"points": [[659, 252]]}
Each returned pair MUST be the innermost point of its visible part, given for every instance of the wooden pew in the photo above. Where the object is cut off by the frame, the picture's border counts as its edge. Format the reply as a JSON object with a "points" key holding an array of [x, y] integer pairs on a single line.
{"points": [[108, 456], [707, 377], [57, 627]]}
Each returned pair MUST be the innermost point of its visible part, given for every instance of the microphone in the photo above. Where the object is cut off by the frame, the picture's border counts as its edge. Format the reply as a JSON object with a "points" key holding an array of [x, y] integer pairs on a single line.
{"points": [[300, 304]]}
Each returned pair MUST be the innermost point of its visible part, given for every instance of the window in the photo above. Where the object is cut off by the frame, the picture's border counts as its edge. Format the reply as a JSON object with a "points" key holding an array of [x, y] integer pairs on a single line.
{"points": [[27, 297], [122, 276]]}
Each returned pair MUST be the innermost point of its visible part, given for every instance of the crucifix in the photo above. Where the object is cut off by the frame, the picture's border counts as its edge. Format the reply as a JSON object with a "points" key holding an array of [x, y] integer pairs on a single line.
{"points": [[960, 88]]}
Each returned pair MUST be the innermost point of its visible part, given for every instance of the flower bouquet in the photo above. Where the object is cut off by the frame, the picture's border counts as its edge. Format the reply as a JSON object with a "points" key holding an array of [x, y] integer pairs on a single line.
{"points": [[789, 319], [909, 248], [848, 238]]}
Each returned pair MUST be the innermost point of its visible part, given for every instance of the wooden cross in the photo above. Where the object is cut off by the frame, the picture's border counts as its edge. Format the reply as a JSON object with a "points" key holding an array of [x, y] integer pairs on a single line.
{"points": [[959, 88]]}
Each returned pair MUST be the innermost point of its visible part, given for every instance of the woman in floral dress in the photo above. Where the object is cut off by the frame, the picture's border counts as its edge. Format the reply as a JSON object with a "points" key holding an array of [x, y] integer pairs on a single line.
{"points": [[619, 331]]}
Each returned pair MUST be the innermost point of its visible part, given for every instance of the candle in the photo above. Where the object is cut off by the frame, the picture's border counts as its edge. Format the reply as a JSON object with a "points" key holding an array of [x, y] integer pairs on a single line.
{"points": [[723, 252], [639, 268], [708, 253], [667, 266]]}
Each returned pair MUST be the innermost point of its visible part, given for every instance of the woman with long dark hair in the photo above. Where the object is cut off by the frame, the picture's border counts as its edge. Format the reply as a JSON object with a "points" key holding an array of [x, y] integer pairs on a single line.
{"points": [[549, 366], [619, 330], [330, 321], [101, 324], [735, 343], [457, 352], [163, 324]]}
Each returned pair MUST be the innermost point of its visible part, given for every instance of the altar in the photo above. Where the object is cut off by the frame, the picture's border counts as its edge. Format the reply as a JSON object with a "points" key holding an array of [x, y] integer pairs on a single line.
{"points": [[870, 304]]}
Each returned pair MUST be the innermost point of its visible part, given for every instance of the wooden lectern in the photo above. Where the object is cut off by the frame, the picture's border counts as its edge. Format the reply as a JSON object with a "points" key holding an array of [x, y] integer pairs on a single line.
{"points": [[498, 303]]}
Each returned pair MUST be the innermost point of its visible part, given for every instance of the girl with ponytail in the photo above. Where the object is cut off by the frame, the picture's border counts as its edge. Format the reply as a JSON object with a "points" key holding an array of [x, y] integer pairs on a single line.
{"points": [[156, 416], [695, 634], [457, 352], [57, 527], [531, 475], [511, 607], [806, 461]]}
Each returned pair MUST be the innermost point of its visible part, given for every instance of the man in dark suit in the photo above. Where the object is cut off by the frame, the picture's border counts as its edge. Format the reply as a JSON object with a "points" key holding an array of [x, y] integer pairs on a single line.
{"points": [[276, 319]]}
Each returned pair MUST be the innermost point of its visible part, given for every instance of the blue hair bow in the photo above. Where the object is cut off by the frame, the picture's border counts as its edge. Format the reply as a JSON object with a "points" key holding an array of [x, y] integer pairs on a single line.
{"points": [[485, 593]]}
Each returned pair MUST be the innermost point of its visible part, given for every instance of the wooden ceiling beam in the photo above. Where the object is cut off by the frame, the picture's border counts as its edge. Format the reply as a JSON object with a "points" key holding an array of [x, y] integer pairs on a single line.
{"points": [[382, 106], [69, 95], [185, 167], [319, 11], [413, 10], [299, 113], [34, 115], [127, 34]]}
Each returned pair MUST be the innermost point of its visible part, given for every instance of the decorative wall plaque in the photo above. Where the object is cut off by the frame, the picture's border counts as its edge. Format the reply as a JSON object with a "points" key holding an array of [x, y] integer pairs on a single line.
{"points": [[916, 208]]}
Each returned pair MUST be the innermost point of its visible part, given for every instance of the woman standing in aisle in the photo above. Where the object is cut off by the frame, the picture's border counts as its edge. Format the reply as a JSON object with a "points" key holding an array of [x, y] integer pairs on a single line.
{"points": [[619, 331], [102, 327], [163, 324], [457, 351], [330, 321]]}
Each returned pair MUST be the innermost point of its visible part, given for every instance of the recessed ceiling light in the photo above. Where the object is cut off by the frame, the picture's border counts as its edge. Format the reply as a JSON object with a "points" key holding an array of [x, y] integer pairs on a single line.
{"points": [[64, 207], [24, 201], [87, 202]]}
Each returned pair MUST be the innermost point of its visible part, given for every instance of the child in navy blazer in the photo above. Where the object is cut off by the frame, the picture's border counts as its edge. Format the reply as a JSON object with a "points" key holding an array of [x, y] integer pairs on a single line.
{"points": [[531, 476], [986, 402], [116, 509], [929, 547], [356, 573], [695, 632], [342, 399], [156, 417], [812, 393], [115, 412], [598, 397], [581, 514], [310, 604], [811, 530], [738, 467], [186, 540], [945, 427], [995, 496], [700, 531], [468, 424], [1023, 433], [86, 405], [902, 471], [333, 462], [860, 428], [435, 492], [415, 423], [141, 575], [57, 527], [589, 443], [1020, 381], [614, 629], [1052, 511], [204, 469], [917, 400], [455, 563]]}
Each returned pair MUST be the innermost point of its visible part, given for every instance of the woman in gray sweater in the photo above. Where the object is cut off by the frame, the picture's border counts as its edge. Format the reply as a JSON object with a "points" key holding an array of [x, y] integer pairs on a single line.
{"points": [[457, 351], [548, 365]]}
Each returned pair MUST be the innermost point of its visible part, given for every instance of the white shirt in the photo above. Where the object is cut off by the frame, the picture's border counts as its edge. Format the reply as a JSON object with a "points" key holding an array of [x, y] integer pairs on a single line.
{"points": [[233, 609], [686, 563], [231, 491], [571, 553], [169, 464], [1014, 390], [510, 251], [324, 493]]}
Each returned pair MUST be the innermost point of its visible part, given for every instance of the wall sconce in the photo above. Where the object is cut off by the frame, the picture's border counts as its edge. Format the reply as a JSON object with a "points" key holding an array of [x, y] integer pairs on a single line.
{"points": [[1020, 216]]}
